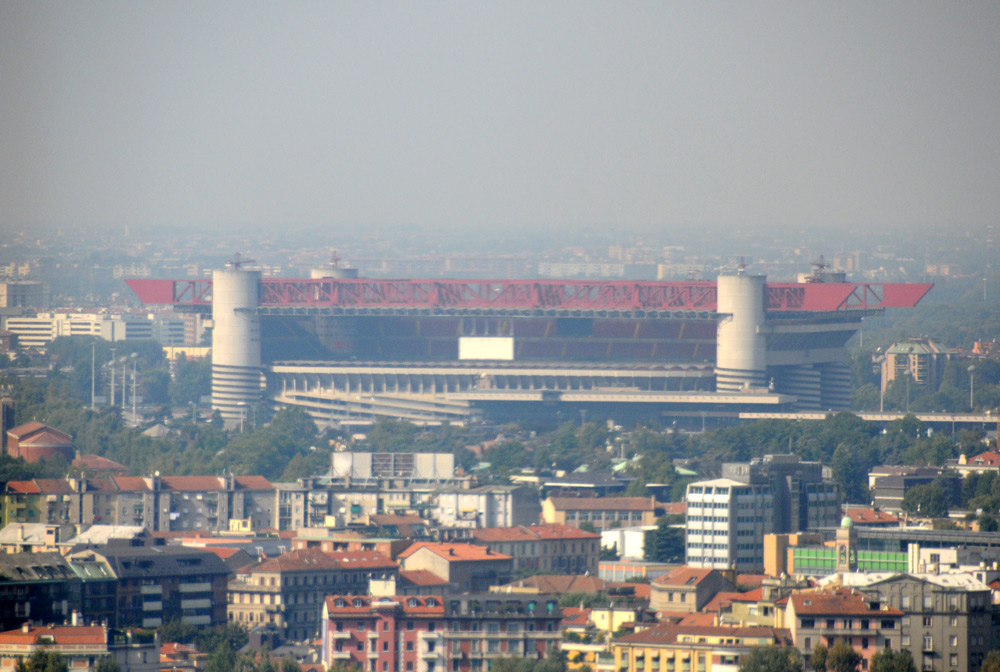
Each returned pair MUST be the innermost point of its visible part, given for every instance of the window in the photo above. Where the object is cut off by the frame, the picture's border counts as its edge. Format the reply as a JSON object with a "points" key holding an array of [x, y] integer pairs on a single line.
{"points": [[928, 601], [905, 641], [928, 621], [409, 646], [928, 643], [953, 660], [808, 623], [953, 640]]}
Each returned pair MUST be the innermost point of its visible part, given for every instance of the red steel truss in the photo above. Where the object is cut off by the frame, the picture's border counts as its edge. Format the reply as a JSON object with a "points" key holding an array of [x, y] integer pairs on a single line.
{"points": [[584, 295]]}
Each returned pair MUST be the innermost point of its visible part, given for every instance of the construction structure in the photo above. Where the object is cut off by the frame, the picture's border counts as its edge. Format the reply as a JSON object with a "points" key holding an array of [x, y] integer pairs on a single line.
{"points": [[350, 349]]}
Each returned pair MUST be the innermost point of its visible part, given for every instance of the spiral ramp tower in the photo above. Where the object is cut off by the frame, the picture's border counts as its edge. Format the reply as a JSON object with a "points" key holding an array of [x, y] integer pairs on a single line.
{"points": [[237, 374]]}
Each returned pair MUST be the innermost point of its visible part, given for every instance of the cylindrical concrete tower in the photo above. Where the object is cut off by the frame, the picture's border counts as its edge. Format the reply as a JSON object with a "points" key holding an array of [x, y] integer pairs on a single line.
{"points": [[237, 378], [741, 356]]}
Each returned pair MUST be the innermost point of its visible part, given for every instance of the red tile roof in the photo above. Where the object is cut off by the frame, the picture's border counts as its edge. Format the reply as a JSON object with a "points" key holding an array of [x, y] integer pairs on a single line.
{"points": [[455, 552], [575, 616], [311, 559], [23, 487], [683, 576], [561, 583], [725, 598], [97, 463], [61, 635], [603, 503], [533, 533], [675, 508], [989, 458], [668, 633], [640, 590], [421, 577], [131, 483], [751, 580], [841, 601], [39, 433]]}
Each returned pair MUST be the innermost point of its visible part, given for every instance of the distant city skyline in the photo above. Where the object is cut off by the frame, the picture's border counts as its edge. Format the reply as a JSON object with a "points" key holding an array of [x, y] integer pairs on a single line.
{"points": [[495, 121]]}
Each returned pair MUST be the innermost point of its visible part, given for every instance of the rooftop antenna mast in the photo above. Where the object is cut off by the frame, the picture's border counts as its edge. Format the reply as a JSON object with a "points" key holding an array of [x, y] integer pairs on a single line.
{"points": [[239, 260], [819, 266], [741, 269]]}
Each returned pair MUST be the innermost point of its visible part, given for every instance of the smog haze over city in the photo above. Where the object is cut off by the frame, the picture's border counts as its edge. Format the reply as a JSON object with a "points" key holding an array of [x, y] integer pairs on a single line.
{"points": [[472, 125]]}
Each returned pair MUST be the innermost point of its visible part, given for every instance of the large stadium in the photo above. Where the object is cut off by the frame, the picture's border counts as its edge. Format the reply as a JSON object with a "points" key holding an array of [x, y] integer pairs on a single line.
{"points": [[350, 350]]}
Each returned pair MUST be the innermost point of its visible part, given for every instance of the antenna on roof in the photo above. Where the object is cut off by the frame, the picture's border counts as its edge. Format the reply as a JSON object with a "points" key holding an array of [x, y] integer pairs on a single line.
{"points": [[741, 269], [239, 260]]}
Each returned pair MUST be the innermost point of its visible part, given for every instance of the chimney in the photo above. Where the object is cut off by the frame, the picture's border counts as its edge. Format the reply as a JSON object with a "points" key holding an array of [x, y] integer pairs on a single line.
{"points": [[75, 618], [26, 628]]}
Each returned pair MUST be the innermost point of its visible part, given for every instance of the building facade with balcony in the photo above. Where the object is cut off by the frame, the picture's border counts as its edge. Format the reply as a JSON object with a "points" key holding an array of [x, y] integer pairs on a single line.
{"points": [[435, 633], [288, 592], [159, 584], [466, 567], [601, 512], [692, 648], [726, 523]]}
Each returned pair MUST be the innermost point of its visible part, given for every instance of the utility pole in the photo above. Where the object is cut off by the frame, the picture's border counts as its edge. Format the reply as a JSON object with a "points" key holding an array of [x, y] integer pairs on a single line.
{"points": [[93, 374], [112, 377], [134, 416]]}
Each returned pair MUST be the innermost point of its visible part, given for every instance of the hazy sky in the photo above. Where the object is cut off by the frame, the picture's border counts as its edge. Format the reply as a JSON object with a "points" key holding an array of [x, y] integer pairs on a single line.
{"points": [[491, 115]]}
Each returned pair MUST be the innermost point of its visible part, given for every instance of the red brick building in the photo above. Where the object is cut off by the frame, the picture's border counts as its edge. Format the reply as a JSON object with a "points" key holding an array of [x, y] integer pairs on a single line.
{"points": [[37, 441]]}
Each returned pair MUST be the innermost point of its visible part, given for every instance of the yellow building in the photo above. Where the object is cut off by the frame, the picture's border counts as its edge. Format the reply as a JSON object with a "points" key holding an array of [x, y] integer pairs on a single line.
{"points": [[692, 648]]}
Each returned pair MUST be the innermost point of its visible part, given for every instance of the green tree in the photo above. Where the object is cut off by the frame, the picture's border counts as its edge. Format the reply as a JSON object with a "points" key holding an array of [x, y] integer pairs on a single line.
{"points": [[107, 664], [223, 659], [992, 662], [665, 543], [926, 500], [772, 658], [843, 658], [42, 661], [817, 661], [889, 660]]}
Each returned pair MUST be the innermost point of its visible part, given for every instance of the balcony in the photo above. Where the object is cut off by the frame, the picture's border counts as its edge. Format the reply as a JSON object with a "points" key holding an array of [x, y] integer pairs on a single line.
{"points": [[341, 655], [200, 587], [373, 634], [200, 619], [156, 589], [152, 622], [152, 606], [201, 603]]}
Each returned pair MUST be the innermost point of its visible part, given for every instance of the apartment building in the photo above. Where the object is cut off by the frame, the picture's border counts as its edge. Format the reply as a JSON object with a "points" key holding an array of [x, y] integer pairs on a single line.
{"points": [[466, 567], [687, 589], [557, 548], [824, 617], [947, 622], [601, 512], [437, 633], [485, 506], [692, 648], [726, 522], [287, 592]]}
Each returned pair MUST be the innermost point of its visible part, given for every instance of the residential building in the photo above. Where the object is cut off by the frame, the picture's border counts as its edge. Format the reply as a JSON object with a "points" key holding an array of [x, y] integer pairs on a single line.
{"points": [[726, 522], [306, 504], [437, 633], [288, 591], [82, 646], [331, 541], [948, 617], [39, 330], [557, 548], [917, 360], [24, 294], [167, 503], [486, 506], [37, 587], [687, 589], [601, 512], [466, 567], [692, 648], [412, 582], [159, 584], [826, 616], [889, 485]]}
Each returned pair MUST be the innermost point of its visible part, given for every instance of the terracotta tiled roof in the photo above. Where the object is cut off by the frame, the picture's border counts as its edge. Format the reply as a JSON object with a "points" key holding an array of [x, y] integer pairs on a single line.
{"points": [[683, 576], [311, 559], [421, 577], [750, 580], [183, 483], [561, 583], [639, 590], [989, 458], [668, 633], [97, 463], [685, 618], [253, 483], [603, 503], [53, 485], [575, 616], [23, 487], [61, 635], [455, 552], [533, 533], [39, 433], [842, 601], [675, 508], [26, 428], [724, 598], [131, 483]]}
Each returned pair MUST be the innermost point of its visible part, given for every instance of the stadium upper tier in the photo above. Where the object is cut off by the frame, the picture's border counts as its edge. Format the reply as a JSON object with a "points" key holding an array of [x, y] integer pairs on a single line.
{"points": [[531, 296]]}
